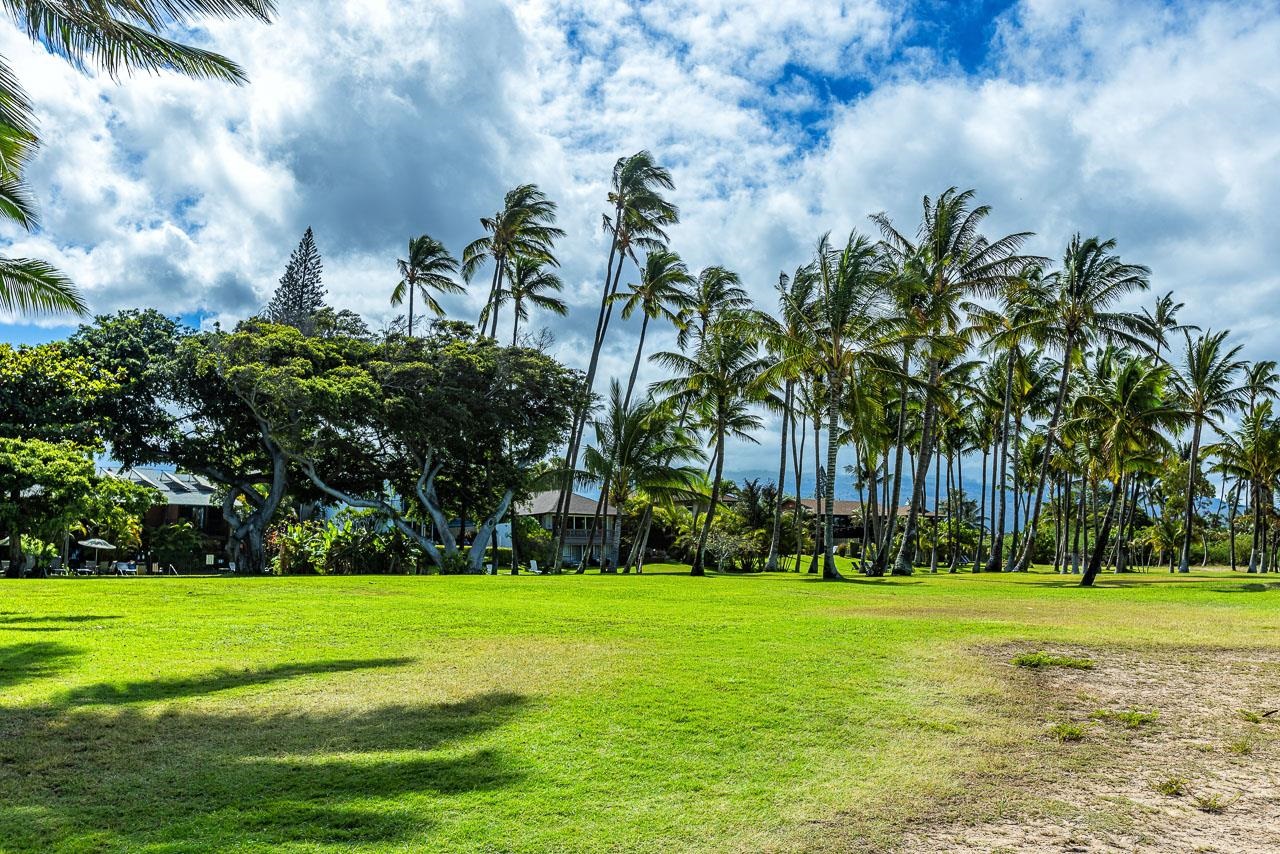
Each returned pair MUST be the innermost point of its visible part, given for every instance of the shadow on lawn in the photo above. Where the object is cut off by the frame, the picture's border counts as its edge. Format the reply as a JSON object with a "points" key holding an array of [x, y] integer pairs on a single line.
{"points": [[210, 683], [24, 662], [52, 623], [127, 778]]}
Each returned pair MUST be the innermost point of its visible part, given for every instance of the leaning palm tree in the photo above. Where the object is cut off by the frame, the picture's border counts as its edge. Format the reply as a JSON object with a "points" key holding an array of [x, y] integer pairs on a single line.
{"points": [[525, 227], [1091, 279], [119, 37], [661, 293], [640, 215], [428, 268], [718, 382], [1127, 410], [946, 263], [717, 292], [1207, 390], [1160, 321], [531, 284]]}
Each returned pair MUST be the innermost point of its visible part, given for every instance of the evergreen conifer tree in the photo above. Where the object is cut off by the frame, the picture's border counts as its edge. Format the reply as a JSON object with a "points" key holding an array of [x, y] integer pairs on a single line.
{"points": [[300, 295]]}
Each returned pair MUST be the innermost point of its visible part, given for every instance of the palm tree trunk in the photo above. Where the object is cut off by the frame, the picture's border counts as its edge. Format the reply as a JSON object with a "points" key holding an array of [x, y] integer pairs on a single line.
{"points": [[797, 460], [1050, 436], [1188, 518], [937, 509], [775, 535], [995, 563], [1231, 523], [829, 571], [819, 514], [891, 508], [1104, 535], [413, 286], [903, 565], [982, 514], [635, 366], [698, 557]]}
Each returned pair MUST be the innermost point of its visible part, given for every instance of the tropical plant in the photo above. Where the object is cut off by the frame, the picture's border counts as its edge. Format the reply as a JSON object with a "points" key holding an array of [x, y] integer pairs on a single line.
{"points": [[428, 268]]}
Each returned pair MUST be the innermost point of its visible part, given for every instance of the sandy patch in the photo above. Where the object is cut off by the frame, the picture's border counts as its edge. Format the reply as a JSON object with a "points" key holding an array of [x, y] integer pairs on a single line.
{"points": [[1219, 765]]}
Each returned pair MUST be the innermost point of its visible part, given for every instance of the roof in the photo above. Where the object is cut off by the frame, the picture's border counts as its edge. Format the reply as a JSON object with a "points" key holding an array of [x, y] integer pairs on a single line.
{"points": [[175, 487], [849, 508], [545, 502]]}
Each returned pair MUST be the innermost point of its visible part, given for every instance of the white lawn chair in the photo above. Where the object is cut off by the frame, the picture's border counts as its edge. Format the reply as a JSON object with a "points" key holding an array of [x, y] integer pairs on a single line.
{"points": [[533, 568], [123, 568], [29, 565]]}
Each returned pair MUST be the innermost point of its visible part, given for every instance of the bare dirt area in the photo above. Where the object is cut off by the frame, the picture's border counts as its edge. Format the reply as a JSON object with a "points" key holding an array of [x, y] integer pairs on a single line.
{"points": [[1148, 751]]}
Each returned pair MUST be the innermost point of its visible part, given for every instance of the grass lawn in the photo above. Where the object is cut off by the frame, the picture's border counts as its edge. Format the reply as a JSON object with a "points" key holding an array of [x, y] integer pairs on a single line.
{"points": [[569, 713]]}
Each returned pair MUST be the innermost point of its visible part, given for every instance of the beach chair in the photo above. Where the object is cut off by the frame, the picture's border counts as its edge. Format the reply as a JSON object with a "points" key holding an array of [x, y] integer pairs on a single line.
{"points": [[123, 568], [87, 568], [533, 568], [56, 567]]}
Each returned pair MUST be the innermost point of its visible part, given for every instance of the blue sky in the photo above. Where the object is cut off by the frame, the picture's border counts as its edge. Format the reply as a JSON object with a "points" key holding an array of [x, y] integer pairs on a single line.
{"points": [[372, 121]]}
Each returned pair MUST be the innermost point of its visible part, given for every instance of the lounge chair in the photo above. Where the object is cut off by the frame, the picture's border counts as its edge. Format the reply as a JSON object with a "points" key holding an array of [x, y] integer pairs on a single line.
{"points": [[56, 567], [87, 568], [533, 568], [123, 568]]}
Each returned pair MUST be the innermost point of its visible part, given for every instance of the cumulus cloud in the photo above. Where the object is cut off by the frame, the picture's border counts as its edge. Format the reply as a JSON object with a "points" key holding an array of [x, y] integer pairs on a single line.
{"points": [[373, 121]]}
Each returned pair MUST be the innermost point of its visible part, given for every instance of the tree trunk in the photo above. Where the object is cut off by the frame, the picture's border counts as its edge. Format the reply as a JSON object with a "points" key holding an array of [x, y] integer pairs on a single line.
{"points": [[891, 508], [904, 565], [635, 365], [829, 571], [698, 557], [797, 460], [982, 515], [1050, 436], [1095, 562], [1189, 514], [775, 536], [819, 514], [995, 563]]}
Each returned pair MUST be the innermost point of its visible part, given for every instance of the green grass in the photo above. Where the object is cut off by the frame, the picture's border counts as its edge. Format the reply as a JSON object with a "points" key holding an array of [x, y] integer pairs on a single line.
{"points": [[566, 713], [1129, 718], [1038, 660]]}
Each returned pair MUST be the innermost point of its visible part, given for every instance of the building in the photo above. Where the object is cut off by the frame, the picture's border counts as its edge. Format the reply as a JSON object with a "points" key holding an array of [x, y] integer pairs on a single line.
{"points": [[183, 496], [847, 516], [582, 510]]}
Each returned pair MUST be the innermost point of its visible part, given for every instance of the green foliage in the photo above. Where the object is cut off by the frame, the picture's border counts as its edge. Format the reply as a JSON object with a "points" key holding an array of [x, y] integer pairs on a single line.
{"points": [[179, 545], [1241, 747], [1131, 719], [1038, 660], [1067, 731], [1173, 787], [1212, 803], [533, 542]]}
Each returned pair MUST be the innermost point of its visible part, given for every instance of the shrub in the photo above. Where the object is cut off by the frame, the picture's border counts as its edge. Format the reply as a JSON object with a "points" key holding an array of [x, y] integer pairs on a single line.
{"points": [[1173, 787], [179, 545], [1038, 660], [1067, 731]]}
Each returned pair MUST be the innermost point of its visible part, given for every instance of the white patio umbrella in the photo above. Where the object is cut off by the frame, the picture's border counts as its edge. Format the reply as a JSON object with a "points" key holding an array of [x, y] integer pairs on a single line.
{"points": [[96, 544]]}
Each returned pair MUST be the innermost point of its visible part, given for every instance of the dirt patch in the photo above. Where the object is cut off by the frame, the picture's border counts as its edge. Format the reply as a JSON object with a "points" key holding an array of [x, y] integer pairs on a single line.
{"points": [[1203, 776]]}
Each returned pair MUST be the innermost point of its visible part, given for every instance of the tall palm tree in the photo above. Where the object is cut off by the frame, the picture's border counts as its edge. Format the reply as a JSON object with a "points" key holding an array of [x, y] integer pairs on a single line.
{"points": [[850, 336], [120, 38], [525, 227], [1207, 390], [783, 337], [1091, 279], [947, 262], [640, 215], [1127, 411], [1252, 453], [662, 292], [532, 283], [428, 268], [1162, 320], [719, 382], [717, 292]]}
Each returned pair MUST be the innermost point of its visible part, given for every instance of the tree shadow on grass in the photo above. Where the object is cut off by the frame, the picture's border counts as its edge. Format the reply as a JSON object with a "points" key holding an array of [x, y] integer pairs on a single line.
{"points": [[126, 778], [24, 662], [1250, 587], [211, 683], [50, 623]]}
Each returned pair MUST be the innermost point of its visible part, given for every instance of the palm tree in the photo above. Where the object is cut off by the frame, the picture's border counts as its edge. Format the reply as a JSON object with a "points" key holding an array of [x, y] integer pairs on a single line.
{"points": [[1126, 410], [1163, 320], [718, 382], [849, 336], [531, 283], [717, 292], [1091, 279], [1252, 453], [782, 338], [525, 227], [1207, 391], [639, 219], [119, 38], [661, 293], [428, 268], [947, 262]]}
